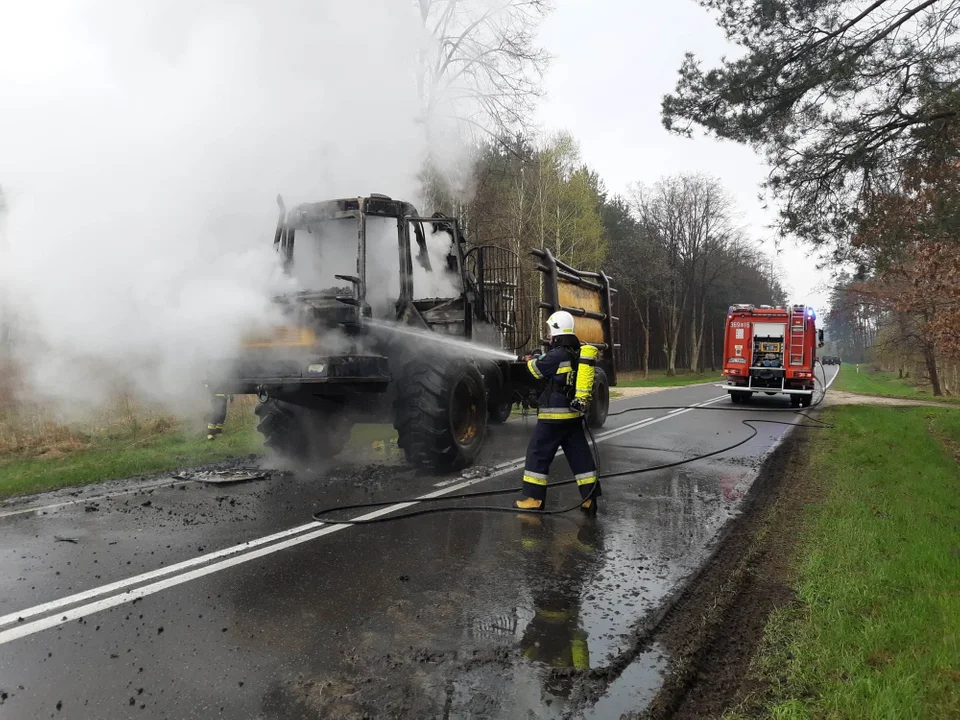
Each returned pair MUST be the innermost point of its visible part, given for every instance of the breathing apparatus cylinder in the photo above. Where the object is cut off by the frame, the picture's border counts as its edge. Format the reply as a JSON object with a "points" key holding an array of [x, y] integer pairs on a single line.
{"points": [[586, 369]]}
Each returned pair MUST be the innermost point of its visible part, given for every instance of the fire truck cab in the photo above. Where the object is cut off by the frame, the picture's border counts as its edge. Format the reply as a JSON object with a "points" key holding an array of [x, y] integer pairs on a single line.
{"points": [[771, 350]]}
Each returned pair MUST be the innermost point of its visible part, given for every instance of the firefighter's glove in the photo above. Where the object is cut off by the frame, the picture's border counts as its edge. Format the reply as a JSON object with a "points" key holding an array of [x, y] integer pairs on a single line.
{"points": [[579, 405]]}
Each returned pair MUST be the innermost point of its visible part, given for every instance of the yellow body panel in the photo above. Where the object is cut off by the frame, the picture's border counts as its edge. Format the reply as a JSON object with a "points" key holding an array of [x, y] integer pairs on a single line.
{"points": [[574, 296], [284, 336]]}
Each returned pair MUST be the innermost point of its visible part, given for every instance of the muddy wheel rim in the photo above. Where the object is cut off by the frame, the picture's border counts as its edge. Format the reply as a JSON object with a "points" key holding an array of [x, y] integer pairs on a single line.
{"points": [[465, 412]]}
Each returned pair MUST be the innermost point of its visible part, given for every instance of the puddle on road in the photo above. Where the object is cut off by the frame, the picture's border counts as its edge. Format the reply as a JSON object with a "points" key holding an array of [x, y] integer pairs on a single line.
{"points": [[582, 587], [549, 693], [539, 603], [633, 690]]}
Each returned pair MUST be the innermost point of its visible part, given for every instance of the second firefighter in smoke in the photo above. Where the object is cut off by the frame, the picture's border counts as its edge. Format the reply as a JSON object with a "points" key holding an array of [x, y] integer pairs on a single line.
{"points": [[568, 372], [218, 415]]}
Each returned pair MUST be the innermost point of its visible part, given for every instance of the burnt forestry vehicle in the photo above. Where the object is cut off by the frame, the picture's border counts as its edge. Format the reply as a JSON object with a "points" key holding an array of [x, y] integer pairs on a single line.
{"points": [[400, 320]]}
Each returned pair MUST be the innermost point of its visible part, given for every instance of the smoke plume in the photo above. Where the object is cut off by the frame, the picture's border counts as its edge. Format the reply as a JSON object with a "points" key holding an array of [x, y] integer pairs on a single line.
{"points": [[141, 147]]}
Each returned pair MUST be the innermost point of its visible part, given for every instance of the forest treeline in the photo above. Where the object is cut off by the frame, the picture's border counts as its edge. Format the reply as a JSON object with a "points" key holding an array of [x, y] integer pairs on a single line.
{"points": [[673, 248], [855, 109]]}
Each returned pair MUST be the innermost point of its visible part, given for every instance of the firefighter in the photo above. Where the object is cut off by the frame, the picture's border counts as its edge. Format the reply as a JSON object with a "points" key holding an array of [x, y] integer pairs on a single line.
{"points": [[568, 370], [218, 415]]}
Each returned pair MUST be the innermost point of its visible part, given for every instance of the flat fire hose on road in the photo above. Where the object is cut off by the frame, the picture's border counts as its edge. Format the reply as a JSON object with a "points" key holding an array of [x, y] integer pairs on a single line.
{"points": [[814, 424]]}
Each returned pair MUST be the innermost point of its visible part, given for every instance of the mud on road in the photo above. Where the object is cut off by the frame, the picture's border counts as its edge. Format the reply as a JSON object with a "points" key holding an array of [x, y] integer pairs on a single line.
{"points": [[717, 622]]}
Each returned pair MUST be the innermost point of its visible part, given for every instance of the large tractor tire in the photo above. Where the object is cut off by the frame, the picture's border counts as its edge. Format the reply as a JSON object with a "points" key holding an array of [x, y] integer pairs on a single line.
{"points": [[600, 405], [440, 413], [302, 434], [499, 414]]}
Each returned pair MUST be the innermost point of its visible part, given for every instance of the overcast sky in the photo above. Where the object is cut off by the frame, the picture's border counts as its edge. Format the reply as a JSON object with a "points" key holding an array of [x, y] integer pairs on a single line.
{"points": [[613, 61]]}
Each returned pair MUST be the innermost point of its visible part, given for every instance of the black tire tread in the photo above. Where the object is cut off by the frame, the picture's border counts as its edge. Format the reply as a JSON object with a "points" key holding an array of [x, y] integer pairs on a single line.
{"points": [[291, 431], [594, 420], [421, 415], [497, 415]]}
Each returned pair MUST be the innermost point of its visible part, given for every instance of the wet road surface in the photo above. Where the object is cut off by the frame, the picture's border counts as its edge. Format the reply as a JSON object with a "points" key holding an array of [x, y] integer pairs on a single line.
{"points": [[190, 600]]}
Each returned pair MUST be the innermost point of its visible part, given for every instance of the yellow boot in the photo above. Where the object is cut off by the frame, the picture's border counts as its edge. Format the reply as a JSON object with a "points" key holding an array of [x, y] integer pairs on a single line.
{"points": [[528, 503]]}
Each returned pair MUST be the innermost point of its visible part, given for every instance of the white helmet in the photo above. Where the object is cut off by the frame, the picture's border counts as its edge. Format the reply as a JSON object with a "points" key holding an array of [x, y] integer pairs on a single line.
{"points": [[560, 323]]}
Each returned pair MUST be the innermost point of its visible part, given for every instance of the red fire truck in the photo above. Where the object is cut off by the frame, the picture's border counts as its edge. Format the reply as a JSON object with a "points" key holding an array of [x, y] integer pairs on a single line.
{"points": [[771, 350]]}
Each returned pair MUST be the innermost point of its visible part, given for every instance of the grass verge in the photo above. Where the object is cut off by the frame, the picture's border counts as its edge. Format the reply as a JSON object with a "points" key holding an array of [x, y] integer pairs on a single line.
{"points": [[874, 631], [884, 384], [110, 457], [659, 378], [118, 454]]}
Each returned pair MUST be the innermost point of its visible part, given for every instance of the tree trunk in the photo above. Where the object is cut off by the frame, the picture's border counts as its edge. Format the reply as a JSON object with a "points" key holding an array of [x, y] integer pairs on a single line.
{"points": [[694, 350], [674, 345], [697, 364], [646, 341], [930, 358], [671, 337], [713, 348]]}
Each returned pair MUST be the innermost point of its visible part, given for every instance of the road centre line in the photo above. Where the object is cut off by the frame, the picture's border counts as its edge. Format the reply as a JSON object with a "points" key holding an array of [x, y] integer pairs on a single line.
{"points": [[262, 548], [520, 463], [827, 386], [159, 572], [500, 469]]}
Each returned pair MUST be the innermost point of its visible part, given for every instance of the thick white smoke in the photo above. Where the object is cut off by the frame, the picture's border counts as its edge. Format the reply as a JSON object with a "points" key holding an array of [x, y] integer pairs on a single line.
{"points": [[440, 283], [142, 145]]}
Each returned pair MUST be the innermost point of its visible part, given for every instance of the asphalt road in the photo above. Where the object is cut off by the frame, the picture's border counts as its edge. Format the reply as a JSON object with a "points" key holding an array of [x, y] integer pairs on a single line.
{"points": [[191, 600]]}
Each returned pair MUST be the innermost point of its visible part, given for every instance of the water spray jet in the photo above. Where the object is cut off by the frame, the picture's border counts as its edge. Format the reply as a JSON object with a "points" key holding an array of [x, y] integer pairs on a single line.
{"points": [[458, 346]]}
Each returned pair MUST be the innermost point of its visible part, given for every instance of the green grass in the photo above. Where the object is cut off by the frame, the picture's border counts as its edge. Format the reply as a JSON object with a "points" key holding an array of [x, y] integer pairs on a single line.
{"points": [[112, 457], [659, 378], [886, 384], [875, 629]]}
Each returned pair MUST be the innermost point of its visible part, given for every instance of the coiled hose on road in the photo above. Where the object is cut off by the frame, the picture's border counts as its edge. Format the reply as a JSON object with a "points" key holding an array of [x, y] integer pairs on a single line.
{"points": [[814, 424]]}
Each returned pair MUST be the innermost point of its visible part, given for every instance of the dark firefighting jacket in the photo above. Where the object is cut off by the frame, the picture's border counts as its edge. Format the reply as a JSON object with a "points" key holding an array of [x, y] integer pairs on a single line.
{"points": [[568, 371]]}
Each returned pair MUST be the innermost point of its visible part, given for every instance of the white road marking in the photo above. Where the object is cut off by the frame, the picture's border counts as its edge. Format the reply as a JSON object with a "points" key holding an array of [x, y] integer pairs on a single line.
{"points": [[827, 386], [518, 463], [23, 629], [444, 483], [94, 498], [160, 572]]}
